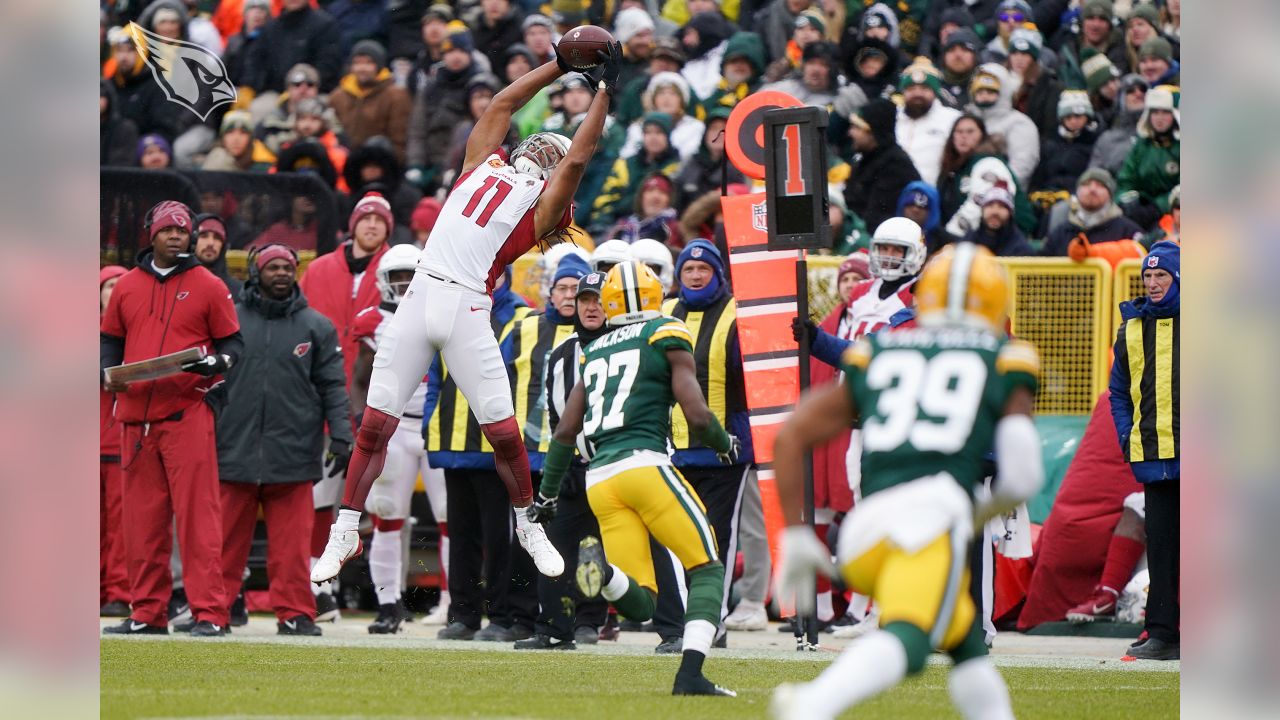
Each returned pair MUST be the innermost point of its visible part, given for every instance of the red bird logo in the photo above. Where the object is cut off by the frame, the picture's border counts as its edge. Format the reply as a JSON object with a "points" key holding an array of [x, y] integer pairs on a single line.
{"points": [[302, 349], [190, 75]]}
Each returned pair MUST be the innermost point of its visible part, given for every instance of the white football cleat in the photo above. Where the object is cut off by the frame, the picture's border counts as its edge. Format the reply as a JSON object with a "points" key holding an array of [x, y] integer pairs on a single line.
{"points": [[748, 615], [533, 538], [342, 546], [439, 615], [868, 623]]}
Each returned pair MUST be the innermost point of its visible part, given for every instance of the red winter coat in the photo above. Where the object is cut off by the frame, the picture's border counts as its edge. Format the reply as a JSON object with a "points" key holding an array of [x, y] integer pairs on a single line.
{"points": [[327, 285], [108, 427], [157, 315]]}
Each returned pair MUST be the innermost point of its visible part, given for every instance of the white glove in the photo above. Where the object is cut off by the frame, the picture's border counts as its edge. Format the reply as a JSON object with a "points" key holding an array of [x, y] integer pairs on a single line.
{"points": [[803, 555]]}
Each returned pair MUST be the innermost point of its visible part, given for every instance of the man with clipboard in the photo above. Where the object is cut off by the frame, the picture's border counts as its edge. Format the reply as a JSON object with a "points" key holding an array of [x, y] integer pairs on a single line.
{"points": [[166, 304]]}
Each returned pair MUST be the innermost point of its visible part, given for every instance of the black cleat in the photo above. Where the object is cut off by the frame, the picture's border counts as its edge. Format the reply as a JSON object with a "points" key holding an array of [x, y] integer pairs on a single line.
{"points": [[699, 685], [586, 635], [297, 625], [670, 646], [239, 612], [115, 608], [327, 608], [545, 642], [1154, 649], [204, 628], [591, 567], [390, 617], [133, 627], [456, 631], [179, 608], [495, 633]]}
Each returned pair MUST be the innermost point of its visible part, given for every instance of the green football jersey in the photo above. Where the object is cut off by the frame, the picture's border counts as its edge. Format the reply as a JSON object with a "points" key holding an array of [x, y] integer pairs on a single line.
{"points": [[628, 384], [930, 398]]}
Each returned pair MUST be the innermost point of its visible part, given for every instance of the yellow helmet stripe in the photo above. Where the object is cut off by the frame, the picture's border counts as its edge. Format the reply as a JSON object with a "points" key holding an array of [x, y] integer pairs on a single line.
{"points": [[958, 279]]}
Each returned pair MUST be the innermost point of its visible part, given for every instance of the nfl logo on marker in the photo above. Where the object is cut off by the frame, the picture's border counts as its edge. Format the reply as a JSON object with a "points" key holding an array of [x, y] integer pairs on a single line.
{"points": [[759, 217]]}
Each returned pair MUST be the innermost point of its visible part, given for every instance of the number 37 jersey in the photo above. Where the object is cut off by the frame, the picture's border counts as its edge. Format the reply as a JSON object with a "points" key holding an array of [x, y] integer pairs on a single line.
{"points": [[930, 398], [485, 224], [628, 382]]}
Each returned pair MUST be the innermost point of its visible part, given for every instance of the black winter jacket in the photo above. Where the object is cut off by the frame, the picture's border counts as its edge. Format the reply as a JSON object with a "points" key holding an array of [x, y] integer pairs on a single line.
{"points": [[287, 384], [302, 36], [876, 181]]}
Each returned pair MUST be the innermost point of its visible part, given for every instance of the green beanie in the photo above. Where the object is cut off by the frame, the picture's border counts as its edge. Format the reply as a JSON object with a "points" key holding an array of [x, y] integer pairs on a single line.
{"points": [[920, 74]]}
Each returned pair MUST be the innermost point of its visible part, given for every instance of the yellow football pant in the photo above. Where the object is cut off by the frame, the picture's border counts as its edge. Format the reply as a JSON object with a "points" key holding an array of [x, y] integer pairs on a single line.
{"points": [[653, 500], [927, 588]]}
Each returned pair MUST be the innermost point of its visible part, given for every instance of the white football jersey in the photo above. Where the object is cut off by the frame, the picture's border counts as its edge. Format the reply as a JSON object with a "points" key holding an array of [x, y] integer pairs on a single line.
{"points": [[485, 224], [867, 313]]}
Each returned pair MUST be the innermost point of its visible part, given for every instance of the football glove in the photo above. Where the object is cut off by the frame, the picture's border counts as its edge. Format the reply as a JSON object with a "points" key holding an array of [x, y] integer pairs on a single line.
{"points": [[210, 366], [542, 510], [801, 328], [611, 68], [730, 456], [338, 458], [803, 555]]}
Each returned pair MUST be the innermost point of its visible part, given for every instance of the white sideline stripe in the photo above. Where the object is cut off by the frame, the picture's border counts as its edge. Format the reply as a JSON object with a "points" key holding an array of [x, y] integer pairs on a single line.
{"points": [[771, 364], [761, 256], [771, 309]]}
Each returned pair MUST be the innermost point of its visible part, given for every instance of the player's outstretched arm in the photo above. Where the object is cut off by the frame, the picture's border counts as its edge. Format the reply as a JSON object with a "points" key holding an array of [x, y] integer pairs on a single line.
{"points": [[821, 415], [560, 454], [491, 129], [564, 181], [1018, 454]]}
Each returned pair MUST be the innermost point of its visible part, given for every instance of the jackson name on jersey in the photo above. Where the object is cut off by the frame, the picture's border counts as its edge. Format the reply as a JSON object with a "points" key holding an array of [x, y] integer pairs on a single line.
{"points": [[628, 382], [930, 400]]}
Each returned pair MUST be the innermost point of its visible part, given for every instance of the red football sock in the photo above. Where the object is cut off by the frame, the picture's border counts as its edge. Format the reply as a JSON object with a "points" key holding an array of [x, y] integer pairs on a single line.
{"points": [[511, 459], [368, 456], [320, 530], [385, 525], [1122, 555]]}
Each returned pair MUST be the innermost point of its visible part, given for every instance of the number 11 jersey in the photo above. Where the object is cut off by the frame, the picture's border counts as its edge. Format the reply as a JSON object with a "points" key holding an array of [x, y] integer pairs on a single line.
{"points": [[485, 224], [628, 382], [930, 398]]}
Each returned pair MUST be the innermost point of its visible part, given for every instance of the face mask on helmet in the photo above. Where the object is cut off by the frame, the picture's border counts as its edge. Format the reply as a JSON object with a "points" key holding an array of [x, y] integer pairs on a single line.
{"points": [[539, 154], [657, 257], [899, 233], [400, 258]]}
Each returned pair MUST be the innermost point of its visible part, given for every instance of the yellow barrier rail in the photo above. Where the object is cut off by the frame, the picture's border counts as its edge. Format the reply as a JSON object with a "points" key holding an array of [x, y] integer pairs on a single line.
{"points": [[1128, 285]]}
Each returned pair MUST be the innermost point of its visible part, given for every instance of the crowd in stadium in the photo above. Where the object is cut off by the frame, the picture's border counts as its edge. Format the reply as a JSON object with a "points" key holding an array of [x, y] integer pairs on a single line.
{"points": [[1030, 127]]}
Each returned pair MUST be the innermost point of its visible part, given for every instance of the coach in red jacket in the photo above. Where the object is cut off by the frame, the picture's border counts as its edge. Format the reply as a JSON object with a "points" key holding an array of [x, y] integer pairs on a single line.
{"points": [[168, 303], [113, 571]]}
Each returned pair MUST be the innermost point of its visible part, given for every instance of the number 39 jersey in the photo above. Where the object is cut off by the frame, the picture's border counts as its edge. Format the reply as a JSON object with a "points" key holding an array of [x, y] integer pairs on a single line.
{"points": [[930, 398], [485, 224], [628, 382]]}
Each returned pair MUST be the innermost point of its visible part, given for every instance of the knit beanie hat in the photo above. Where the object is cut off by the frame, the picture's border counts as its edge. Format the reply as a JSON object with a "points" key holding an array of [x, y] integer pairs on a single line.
{"points": [[702, 250], [1166, 256], [169, 213], [425, 214], [1156, 47], [212, 223], [858, 263], [812, 17], [459, 38], [275, 251], [1097, 9], [1101, 175], [153, 140], [108, 272], [1027, 41], [1074, 102], [631, 22], [571, 266], [996, 194], [965, 37], [371, 49], [1098, 70], [660, 119], [371, 204], [1146, 11], [921, 72]]}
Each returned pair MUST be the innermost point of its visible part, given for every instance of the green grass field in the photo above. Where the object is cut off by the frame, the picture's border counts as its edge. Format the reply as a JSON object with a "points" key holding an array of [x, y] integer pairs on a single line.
{"points": [[229, 679]]}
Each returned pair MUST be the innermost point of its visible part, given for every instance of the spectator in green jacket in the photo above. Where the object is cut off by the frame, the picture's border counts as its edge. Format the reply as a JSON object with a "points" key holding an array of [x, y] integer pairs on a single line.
{"points": [[656, 155], [1152, 167], [740, 70]]}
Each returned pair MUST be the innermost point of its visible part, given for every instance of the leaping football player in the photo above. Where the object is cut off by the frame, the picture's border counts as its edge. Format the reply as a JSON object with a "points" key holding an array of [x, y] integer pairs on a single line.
{"points": [[495, 212], [933, 400], [631, 376]]}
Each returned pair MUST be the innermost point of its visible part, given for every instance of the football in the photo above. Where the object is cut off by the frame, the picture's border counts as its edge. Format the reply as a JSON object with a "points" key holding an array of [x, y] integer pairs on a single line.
{"points": [[583, 48]]}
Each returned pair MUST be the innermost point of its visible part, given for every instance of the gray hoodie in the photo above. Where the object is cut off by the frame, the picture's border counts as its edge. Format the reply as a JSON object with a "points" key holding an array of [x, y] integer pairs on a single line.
{"points": [[1021, 136]]}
